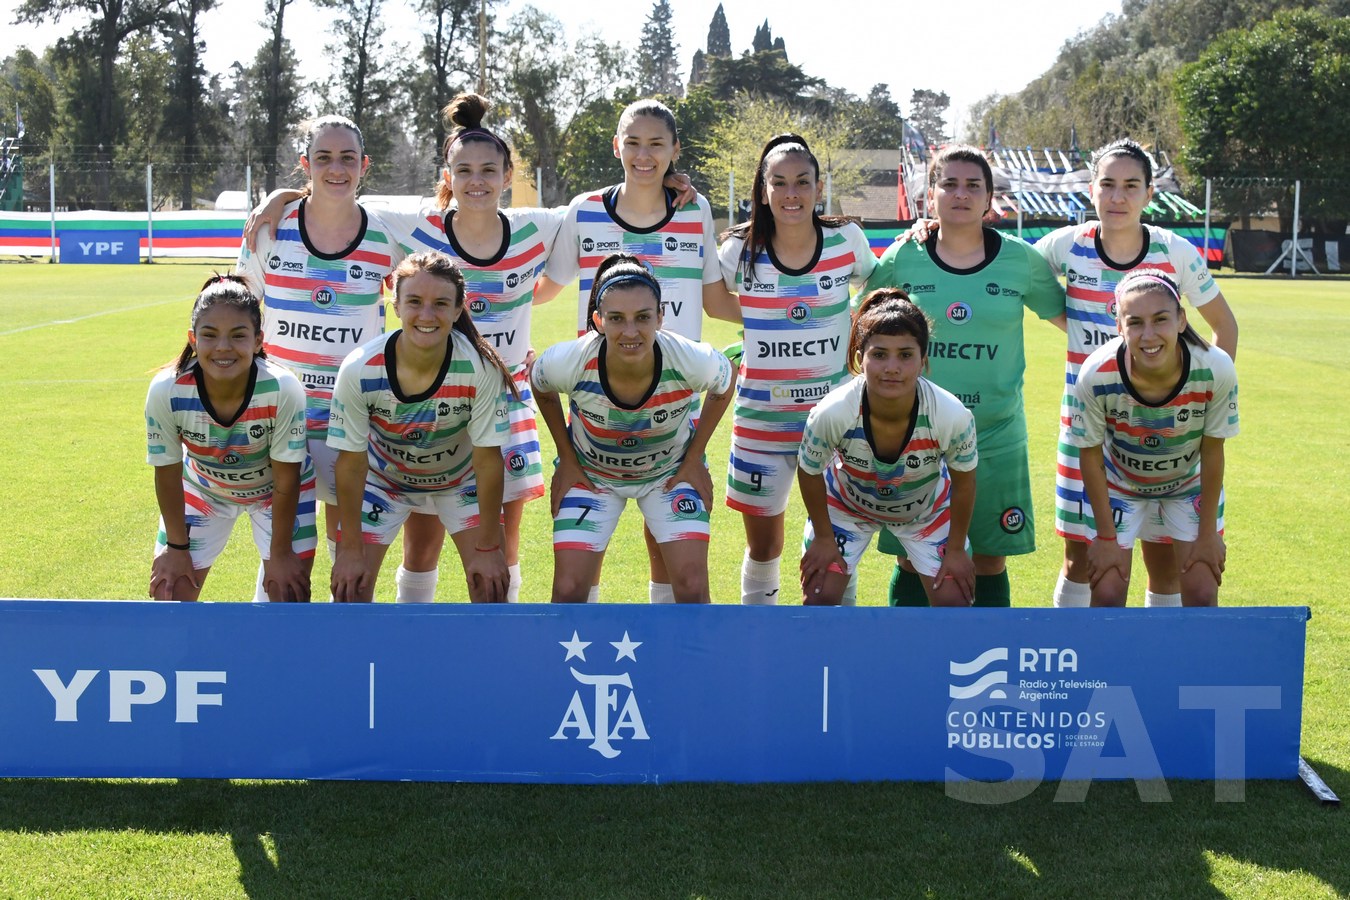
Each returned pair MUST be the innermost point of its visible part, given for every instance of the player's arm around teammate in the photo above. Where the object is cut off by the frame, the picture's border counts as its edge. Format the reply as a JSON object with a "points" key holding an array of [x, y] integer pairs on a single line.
{"points": [[1163, 401], [426, 406], [632, 390], [888, 451], [226, 434]]}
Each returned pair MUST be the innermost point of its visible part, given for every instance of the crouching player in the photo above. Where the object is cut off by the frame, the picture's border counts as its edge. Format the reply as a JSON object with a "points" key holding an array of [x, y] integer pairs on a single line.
{"points": [[888, 450], [1163, 401], [419, 417], [632, 390], [226, 435]]}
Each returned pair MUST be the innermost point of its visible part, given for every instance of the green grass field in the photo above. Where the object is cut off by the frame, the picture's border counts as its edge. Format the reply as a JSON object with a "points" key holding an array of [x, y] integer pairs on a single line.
{"points": [[78, 346]]}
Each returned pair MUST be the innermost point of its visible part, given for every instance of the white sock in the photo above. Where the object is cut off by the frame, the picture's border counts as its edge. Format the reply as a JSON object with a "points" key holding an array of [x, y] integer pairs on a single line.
{"points": [[759, 581], [332, 549], [660, 593], [850, 597], [513, 589], [1153, 600], [415, 587], [260, 595], [593, 595], [1069, 594]]}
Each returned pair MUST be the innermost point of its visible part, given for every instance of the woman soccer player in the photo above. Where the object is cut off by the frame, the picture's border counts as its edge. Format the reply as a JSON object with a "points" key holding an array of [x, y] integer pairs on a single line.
{"points": [[792, 268], [633, 390], [1154, 408], [321, 278], [1095, 256], [419, 417], [975, 283], [642, 216], [888, 451], [226, 435]]}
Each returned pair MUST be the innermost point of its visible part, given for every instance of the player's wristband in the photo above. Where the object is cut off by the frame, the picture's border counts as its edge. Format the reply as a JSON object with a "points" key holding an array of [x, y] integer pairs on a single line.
{"points": [[493, 549], [835, 568], [172, 546]]}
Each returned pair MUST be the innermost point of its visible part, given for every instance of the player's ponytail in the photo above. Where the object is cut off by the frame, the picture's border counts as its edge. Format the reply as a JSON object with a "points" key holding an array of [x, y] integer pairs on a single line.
{"points": [[438, 265], [887, 311], [227, 290], [1149, 281]]}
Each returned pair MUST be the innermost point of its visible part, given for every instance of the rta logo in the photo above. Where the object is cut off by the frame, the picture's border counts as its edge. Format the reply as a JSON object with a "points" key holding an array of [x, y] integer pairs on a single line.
{"points": [[414, 434], [274, 262], [660, 416], [628, 442], [478, 305], [958, 313], [515, 463], [230, 458], [354, 272], [987, 681], [685, 507], [991, 289], [1152, 441], [512, 280], [587, 244], [799, 312], [826, 282], [323, 297], [672, 244], [1013, 520], [256, 431]]}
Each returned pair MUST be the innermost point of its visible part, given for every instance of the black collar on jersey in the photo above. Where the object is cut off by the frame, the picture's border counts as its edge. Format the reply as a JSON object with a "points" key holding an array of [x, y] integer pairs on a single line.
{"points": [[1122, 352], [1111, 263], [391, 368], [651, 389], [344, 252], [909, 430], [610, 198], [200, 378], [993, 243], [806, 269], [448, 214]]}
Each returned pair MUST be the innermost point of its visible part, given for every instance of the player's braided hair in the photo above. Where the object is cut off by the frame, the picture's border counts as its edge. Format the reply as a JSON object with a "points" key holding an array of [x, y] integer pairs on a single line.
{"points": [[437, 264], [887, 311], [221, 290]]}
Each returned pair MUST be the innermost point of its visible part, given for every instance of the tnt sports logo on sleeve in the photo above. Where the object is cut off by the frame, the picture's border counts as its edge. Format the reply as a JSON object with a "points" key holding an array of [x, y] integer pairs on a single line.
{"points": [[959, 313], [799, 312], [323, 297]]}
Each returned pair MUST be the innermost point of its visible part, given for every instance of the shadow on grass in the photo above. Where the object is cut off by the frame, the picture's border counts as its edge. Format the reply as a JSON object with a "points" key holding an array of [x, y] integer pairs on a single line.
{"points": [[345, 839]]}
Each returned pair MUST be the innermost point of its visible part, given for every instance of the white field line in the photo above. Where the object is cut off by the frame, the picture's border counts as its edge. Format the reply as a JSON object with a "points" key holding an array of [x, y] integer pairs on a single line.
{"points": [[106, 312]]}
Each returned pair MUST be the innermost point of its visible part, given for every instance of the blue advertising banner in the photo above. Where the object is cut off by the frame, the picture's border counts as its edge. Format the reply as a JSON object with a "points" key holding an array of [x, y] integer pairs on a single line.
{"points": [[620, 693], [100, 246]]}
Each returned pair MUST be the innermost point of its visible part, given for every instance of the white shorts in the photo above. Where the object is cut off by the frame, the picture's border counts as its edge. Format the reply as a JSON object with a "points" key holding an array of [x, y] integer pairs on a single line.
{"points": [[520, 454], [325, 470], [210, 521], [384, 509], [1158, 519], [924, 540], [758, 483], [586, 519]]}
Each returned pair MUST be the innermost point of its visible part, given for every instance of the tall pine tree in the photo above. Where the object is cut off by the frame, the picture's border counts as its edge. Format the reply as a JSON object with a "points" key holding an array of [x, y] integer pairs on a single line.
{"points": [[658, 64], [719, 36]]}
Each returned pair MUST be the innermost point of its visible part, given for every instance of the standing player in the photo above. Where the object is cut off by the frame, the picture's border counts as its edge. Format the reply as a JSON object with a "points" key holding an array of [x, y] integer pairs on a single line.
{"points": [[632, 390], [419, 417], [226, 435], [1094, 257], [975, 283], [1154, 408], [889, 451], [792, 268], [644, 218], [322, 280]]}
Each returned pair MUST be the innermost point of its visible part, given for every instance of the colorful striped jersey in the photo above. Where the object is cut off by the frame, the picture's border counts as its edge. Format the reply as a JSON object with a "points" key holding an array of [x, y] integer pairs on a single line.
{"points": [[838, 443], [680, 249], [423, 442], [1153, 449], [318, 307], [1091, 278], [230, 460], [631, 444], [796, 333], [500, 288]]}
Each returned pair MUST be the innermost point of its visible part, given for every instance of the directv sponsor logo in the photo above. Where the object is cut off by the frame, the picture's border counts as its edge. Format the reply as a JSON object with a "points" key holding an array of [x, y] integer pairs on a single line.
{"points": [[327, 334], [792, 349]]}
